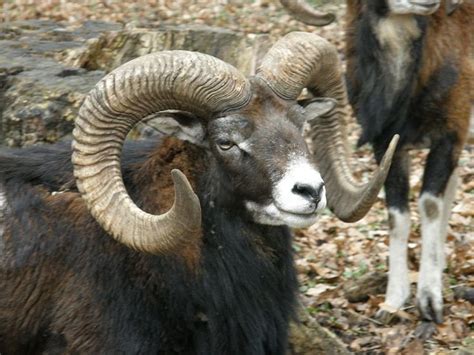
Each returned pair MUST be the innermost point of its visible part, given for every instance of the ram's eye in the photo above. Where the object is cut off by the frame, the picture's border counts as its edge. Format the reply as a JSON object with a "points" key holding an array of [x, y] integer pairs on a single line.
{"points": [[225, 144]]}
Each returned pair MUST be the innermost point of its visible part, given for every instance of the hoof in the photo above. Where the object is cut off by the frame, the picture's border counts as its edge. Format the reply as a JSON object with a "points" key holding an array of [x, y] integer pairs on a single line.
{"points": [[430, 305]]}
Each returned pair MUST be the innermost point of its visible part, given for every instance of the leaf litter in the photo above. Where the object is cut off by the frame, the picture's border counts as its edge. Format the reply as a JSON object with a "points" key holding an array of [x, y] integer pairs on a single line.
{"points": [[334, 260]]}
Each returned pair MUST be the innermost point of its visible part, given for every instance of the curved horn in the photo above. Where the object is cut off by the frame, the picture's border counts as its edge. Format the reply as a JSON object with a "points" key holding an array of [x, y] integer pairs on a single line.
{"points": [[305, 13], [302, 60], [179, 80], [452, 5]]}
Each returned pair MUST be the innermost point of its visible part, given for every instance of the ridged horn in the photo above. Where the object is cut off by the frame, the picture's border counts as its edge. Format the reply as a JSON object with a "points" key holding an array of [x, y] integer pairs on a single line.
{"points": [[170, 80], [302, 60], [305, 13]]}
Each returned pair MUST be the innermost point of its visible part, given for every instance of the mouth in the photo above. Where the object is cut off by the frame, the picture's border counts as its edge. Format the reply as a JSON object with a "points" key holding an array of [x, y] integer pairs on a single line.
{"points": [[309, 210], [272, 215], [426, 6], [298, 220]]}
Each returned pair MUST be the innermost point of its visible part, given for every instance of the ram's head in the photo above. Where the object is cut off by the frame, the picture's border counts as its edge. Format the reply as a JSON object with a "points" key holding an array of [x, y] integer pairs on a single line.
{"points": [[252, 129]]}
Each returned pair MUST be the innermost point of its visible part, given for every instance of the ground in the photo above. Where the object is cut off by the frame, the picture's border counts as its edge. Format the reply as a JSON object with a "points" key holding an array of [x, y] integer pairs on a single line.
{"points": [[331, 256]]}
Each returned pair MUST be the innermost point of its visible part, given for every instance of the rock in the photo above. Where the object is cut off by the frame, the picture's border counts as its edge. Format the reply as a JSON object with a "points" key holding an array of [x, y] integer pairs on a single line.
{"points": [[46, 69], [39, 97], [308, 337], [360, 289], [466, 293], [115, 48]]}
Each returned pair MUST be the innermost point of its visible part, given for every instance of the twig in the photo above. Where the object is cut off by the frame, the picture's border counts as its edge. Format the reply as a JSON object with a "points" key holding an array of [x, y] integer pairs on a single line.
{"points": [[458, 285], [374, 347]]}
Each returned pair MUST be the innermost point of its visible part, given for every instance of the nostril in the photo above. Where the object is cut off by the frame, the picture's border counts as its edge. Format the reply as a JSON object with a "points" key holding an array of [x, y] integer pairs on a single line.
{"points": [[308, 191], [320, 190]]}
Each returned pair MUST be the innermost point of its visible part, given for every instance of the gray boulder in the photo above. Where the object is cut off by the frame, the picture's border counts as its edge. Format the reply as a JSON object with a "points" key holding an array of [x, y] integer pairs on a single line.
{"points": [[46, 69]]}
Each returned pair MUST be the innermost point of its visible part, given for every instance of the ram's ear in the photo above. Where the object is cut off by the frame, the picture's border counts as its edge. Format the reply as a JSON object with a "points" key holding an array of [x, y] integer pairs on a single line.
{"points": [[180, 124], [452, 5], [317, 107]]}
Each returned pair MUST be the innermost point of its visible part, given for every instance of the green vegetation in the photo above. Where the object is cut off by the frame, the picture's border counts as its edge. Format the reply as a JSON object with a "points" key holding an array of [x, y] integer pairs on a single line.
{"points": [[356, 273]]}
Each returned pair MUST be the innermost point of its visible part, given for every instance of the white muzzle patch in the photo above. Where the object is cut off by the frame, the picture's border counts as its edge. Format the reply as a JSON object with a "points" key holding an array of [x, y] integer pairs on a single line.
{"points": [[297, 197]]}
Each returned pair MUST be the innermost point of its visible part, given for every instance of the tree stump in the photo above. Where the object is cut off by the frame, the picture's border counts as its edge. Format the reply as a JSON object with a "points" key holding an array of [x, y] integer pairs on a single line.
{"points": [[46, 68]]}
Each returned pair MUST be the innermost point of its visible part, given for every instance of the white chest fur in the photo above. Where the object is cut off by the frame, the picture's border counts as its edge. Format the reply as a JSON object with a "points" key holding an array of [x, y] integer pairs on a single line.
{"points": [[395, 34]]}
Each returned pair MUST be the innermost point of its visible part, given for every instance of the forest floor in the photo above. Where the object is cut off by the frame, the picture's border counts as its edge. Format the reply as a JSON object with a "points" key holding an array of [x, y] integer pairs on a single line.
{"points": [[331, 255]]}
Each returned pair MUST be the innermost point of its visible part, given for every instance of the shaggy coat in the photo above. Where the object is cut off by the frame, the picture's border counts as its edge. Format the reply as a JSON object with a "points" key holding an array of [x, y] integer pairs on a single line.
{"points": [[233, 293]]}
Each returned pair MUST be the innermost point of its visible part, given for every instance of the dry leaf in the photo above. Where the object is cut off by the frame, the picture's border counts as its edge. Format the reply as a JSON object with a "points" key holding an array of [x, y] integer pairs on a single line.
{"points": [[413, 348], [318, 290], [329, 250]]}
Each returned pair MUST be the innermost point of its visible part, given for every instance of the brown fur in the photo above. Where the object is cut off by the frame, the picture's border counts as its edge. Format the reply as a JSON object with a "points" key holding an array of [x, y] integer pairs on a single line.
{"points": [[447, 38], [453, 37], [172, 154], [154, 177]]}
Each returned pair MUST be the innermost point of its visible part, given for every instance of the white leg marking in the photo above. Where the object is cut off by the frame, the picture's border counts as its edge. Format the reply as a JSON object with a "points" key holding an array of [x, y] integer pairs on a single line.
{"points": [[398, 288], [434, 213]]}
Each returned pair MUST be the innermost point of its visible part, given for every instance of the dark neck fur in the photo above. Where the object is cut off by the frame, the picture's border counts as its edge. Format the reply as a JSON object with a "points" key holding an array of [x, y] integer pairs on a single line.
{"points": [[245, 271]]}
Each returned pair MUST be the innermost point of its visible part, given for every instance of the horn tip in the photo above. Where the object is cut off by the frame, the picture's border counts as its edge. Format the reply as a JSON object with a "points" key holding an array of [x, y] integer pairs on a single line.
{"points": [[180, 179], [178, 175], [394, 141], [326, 20], [387, 159], [182, 183]]}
